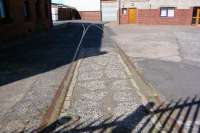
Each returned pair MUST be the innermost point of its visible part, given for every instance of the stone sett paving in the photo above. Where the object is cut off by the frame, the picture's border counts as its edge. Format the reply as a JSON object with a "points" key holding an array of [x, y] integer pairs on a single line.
{"points": [[104, 97]]}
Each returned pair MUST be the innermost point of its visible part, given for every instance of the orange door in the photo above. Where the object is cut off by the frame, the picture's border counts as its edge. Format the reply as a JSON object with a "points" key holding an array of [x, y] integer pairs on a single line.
{"points": [[132, 15], [198, 17]]}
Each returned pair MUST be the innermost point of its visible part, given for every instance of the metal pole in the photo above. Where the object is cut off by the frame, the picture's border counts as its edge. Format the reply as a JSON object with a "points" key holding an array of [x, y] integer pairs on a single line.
{"points": [[150, 11], [150, 14], [101, 9], [119, 12]]}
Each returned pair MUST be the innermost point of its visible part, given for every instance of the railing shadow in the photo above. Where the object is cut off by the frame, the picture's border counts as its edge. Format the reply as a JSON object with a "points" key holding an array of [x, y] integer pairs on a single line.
{"points": [[179, 116], [170, 117]]}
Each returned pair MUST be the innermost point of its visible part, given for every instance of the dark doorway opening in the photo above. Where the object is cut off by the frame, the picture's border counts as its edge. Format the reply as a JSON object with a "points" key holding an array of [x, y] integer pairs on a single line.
{"points": [[196, 15], [26, 10], [38, 12]]}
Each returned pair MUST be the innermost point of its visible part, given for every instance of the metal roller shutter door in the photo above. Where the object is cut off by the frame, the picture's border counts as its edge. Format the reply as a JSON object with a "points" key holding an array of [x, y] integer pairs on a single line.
{"points": [[109, 11]]}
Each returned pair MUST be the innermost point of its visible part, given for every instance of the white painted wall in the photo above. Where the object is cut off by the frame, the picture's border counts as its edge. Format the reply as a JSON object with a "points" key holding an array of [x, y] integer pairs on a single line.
{"points": [[155, 4], [84, 5]]}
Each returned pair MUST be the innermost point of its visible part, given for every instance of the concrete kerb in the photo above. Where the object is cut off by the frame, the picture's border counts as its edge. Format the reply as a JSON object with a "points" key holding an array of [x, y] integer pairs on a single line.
{"points": [[146, 91], [67, 100], [57, 103]]}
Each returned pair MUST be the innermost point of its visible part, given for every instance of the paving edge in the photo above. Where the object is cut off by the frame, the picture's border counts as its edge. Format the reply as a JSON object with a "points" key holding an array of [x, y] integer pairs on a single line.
{"points": [[68, 98], [56, 105], [139, 83], [142, 88]]}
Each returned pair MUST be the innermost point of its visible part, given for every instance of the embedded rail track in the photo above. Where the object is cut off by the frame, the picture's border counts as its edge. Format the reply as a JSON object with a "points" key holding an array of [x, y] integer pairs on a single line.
{"points": [[147, 93]]}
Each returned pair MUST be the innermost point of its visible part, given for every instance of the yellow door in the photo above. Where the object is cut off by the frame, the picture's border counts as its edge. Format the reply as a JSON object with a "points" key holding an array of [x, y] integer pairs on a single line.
{"points": [[198, 17], [132, 15]]}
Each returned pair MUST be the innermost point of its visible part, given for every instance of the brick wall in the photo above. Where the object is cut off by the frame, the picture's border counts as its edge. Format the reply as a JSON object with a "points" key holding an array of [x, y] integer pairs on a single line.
{"points": [[64, 14], [18, 26], [123, 17], [90, 15], [147, 16]]}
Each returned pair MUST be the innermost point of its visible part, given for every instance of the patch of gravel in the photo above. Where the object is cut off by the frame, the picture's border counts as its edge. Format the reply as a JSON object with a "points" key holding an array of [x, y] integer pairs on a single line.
{"points": [[92, 85], [123, 96]]}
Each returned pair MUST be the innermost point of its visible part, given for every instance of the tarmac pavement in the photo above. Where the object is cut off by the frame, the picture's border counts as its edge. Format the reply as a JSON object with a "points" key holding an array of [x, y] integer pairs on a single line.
{"points": [[168, 56], [168, 59]]}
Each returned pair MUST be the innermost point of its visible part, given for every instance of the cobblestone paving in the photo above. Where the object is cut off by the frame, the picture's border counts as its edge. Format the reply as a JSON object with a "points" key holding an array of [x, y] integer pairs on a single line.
{"points": [[104, 97]]}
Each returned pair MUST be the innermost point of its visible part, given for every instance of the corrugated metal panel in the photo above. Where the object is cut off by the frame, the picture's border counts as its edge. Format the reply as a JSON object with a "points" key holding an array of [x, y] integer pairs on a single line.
{"points": [[109, 11], [55, 17], [54, 11]]}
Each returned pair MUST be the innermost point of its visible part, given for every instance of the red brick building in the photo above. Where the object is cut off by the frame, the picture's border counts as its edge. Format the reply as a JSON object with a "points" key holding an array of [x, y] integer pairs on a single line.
{"points": [[20, 17], [161, 12], [62, 12]]}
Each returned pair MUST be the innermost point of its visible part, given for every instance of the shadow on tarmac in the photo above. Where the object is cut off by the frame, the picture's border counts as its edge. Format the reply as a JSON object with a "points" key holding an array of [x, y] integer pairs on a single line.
{"points": [[46, 51]]}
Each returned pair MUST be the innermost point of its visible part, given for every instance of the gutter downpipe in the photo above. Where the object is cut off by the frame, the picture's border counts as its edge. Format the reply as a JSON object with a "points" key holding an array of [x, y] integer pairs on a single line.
{"points": [[119, 5]]}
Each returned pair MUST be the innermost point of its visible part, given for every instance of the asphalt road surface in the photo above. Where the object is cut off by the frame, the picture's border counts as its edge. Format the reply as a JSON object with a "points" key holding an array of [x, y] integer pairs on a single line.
{"points": [[169, 59]]}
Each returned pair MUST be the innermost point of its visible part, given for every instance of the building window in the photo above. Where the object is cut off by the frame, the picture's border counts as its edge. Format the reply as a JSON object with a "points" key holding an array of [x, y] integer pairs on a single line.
{"points": [[167, 11], [26, 10], [2, 9], [124, 11]]}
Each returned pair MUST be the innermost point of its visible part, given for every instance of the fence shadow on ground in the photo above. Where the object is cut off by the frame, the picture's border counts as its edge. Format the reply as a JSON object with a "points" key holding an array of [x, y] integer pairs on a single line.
{"points": [[181, 115]]}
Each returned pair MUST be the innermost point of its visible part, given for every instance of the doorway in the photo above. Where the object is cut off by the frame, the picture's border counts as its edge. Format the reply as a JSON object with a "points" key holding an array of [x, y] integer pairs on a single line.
{"points": [[132, 15], [196, 15], [38, 7]]}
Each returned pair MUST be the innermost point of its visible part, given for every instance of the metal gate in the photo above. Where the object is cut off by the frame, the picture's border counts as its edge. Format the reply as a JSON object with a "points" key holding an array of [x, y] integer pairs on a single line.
{"points": [[109, 11]]}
